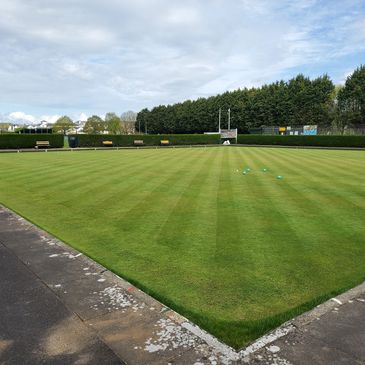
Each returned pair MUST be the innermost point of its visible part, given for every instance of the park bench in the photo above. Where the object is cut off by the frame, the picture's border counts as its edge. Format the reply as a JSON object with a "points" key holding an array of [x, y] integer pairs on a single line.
{"points": [[165, 142], [42, 144], [108, 143], [138, 142]]}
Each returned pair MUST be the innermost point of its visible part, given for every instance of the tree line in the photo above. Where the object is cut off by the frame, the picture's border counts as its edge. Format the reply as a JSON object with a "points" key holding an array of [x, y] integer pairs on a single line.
{"points": [[113, 124], [299, 101]]}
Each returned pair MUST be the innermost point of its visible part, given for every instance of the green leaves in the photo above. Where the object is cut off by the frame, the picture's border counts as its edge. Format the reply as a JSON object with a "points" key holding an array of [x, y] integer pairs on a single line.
{"points": [[299, 101], [94, 125], [113, 123], [351, 99], [63, 124]]}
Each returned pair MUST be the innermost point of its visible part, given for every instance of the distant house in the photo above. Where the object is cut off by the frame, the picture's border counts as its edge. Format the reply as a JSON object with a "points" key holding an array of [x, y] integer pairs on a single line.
{"points": [[8, 127], [78, 128], [4, 127]]}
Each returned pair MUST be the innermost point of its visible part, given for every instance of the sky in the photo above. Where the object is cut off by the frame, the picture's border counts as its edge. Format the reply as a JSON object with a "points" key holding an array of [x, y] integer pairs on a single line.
{"points": [[85, 57]]}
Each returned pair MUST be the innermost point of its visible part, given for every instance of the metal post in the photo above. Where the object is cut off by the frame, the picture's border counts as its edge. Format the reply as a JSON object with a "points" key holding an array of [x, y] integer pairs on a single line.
{"points": [[220, 118], [229, 118]]}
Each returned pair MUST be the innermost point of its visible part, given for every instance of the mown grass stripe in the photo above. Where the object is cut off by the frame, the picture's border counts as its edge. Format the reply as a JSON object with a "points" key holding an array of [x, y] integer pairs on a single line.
{"points": [[237, 254], [315, 170]]}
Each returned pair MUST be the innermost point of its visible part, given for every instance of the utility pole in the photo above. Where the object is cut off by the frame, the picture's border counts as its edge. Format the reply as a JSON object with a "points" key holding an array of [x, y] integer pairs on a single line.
{"points": [[220, 119], [229, 118]]}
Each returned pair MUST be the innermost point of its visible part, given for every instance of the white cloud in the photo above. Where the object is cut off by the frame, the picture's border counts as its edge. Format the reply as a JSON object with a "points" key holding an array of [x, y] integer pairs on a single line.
{"points": [[77, 70], [345, 76], [21, 117], [82, 117], [50, 118], [63, 57], [182, 16], [358, 27]]}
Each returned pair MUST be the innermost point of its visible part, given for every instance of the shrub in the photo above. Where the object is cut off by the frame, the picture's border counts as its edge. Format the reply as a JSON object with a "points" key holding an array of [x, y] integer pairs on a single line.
{"points": [[15, 141], [320, 141]]}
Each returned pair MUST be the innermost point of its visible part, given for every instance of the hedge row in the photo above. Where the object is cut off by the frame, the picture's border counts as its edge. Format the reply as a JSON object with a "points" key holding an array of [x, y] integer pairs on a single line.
{"points": [[320, 141], [15, 141], [96, 140]]}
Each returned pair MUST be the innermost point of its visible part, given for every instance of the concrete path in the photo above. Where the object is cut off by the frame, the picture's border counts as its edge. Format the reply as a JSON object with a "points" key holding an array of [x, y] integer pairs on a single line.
{"points": [[59, 307], [336, 337]]}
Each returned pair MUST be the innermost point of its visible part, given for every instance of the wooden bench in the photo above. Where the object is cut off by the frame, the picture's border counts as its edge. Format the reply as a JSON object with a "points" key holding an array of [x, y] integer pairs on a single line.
{"points": [[138, 142], [165, 142], [42, 144], [108, 143]]}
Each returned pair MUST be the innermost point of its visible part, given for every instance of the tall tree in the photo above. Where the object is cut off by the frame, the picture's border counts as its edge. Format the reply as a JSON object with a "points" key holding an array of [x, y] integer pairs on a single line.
{"points": [[295, 102], [94, 125], [141, 120], [109, 116], [129, 119], [129, 116], [63, 124], [113, 123], [351, 98]]}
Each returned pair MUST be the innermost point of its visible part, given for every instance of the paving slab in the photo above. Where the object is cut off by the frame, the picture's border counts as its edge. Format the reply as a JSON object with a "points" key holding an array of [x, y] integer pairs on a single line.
{"points": [[20, 239], [56, 266], [36, 327], [304, 351], [202, 354], [87, 296], [8, 221], [361, 298], [15, 277], [335, 337], [342, 329], [128, 334]]}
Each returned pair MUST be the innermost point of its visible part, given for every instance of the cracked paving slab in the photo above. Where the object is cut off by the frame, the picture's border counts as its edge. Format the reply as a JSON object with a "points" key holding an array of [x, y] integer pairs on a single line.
{"points": [[37, 328], [336, 337]]}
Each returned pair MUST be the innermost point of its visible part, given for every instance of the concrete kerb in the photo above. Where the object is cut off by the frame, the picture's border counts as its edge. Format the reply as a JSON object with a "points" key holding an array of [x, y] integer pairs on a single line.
{"points": [[229, 354]]}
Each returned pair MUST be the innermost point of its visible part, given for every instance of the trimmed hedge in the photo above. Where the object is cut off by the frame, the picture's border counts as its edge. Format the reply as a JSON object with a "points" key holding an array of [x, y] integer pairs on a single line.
{"points": [[320, 141], [15, 141], [96, 140]]}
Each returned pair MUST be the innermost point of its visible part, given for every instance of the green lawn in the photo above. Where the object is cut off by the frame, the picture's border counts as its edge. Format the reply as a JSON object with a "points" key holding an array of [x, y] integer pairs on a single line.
{"points": [[238, 254]]}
